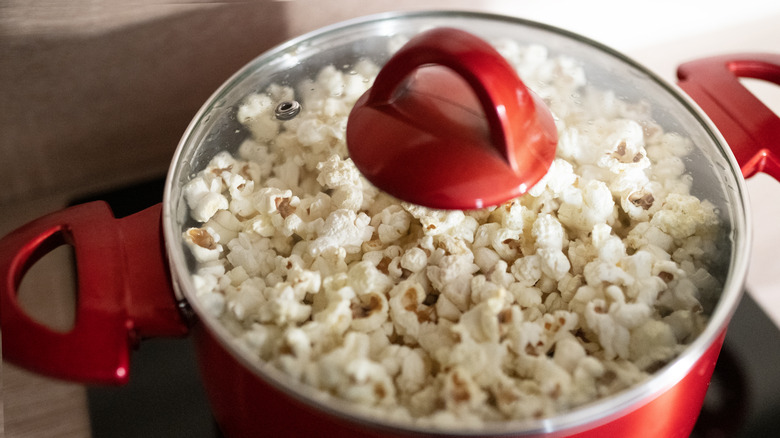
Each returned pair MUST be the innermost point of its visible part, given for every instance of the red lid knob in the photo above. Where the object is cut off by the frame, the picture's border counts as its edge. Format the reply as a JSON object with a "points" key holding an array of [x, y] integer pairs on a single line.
{"points": [[449, 124]]}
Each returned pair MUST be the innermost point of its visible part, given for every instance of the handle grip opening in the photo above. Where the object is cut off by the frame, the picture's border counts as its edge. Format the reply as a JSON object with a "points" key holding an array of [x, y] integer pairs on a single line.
{"points": [[48, 288]]}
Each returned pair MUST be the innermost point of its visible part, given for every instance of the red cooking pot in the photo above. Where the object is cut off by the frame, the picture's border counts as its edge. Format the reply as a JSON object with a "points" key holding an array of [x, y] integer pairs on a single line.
{"points": [[135, 274]]}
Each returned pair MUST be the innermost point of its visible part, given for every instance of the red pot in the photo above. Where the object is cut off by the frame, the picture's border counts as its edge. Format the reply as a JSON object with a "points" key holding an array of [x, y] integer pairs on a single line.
{"points": [[134, 274]]}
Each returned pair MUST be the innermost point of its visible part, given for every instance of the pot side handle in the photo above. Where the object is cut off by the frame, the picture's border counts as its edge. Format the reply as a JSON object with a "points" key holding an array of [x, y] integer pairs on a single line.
{"points": [[751, 129], [124, 293]]}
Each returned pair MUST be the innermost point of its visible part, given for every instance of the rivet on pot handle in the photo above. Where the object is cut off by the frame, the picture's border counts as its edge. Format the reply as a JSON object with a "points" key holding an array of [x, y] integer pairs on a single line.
{"points": [[124, 293], [750, 127]]}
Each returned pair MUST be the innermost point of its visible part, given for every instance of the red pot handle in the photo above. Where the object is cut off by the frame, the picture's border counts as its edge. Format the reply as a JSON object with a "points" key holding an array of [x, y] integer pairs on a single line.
{"points": [[124, 293], [750, 127]]}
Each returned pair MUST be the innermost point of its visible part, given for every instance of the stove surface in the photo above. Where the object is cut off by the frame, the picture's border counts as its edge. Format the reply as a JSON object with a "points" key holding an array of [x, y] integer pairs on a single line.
{"points": [[165, 398]]}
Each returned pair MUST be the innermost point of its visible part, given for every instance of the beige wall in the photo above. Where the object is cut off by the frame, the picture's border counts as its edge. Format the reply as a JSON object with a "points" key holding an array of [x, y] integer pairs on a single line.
{"points": [[96, 94]]}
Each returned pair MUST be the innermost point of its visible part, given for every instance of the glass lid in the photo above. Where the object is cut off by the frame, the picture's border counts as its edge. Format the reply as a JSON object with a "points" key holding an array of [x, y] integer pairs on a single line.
{"points": [[298, 264]]}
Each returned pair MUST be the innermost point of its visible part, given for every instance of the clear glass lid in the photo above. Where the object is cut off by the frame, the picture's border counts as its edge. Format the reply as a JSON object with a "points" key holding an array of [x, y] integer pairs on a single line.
{"points": [[592, 92]]}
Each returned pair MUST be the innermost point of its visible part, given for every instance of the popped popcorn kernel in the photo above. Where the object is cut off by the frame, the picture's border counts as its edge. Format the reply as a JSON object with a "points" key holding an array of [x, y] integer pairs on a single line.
{"points": [[683, 216], [203, 244], [342, 229]]}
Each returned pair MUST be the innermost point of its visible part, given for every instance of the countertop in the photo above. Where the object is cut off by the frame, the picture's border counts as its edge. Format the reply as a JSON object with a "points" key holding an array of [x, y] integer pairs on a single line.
{"points": [[661, 38]]}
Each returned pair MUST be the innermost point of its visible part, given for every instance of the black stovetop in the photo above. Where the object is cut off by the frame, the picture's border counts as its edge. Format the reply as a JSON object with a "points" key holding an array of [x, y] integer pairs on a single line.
{"points": [[165, 398]]}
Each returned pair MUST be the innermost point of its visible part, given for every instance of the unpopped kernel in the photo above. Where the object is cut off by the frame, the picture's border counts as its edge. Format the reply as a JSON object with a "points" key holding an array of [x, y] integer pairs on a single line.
{"points": [[579, 289]]}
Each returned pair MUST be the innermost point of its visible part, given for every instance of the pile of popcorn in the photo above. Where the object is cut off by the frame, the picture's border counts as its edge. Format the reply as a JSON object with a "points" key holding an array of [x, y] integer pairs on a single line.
{"points": [[577, 290]]}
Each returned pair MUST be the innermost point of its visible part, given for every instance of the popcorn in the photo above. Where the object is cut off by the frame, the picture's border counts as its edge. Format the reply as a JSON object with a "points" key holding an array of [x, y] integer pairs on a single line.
{"points": [[654, 343], [558, 178], [548, 233], [440, 222], [245, 302], [224, 224], [568, 353], [452, 276], [337, 316], [252, 253], [204, 197], [261, 340], [683, 216], [613, 337], [370, 312], [342, 229], [406, 308], [627, 147], [596, 206], [586, 285], [213, 303], [391, 223], [414, 260], [203, 244], [460, 392], [258, 160], [367, 383], [257, 113], [282, 309]]}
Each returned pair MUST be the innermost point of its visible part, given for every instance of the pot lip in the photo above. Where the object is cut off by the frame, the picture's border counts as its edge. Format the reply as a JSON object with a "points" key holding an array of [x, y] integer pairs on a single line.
{"points": [[589, 415]]}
